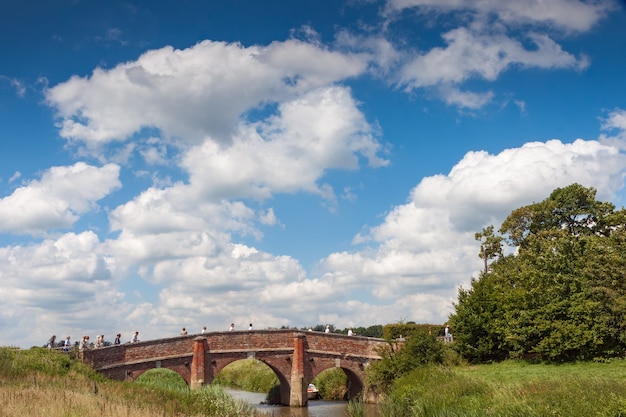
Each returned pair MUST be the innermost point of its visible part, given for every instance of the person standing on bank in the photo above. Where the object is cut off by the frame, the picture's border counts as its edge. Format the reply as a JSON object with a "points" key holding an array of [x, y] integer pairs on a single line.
{"points": [[136, 337], [118, 339]]}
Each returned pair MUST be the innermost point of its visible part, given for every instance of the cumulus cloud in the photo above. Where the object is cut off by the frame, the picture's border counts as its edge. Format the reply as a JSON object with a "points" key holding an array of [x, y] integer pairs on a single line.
{"points": [[58, 199], [288, 152], [58, 285], [187, 94]]}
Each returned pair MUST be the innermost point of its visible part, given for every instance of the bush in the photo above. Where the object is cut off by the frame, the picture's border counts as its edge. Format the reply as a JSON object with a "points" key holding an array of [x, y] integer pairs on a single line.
{"points": [[421, 348]]}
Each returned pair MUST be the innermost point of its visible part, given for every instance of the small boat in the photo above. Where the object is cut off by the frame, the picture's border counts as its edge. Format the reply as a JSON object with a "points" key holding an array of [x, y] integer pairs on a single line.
{"points": [[312, 392]]}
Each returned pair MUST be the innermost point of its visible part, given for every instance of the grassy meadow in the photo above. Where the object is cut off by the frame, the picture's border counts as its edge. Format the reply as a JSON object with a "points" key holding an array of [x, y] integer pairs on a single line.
{"points": [[40, 383], [511, 389]]}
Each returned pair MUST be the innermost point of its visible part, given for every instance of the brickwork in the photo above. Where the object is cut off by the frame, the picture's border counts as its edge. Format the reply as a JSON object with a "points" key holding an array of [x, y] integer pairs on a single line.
{"points": [[296, 357]]}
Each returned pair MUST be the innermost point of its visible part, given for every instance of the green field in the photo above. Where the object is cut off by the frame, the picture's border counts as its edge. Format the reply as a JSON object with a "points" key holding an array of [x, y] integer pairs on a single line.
{"points": [[511, 388]]}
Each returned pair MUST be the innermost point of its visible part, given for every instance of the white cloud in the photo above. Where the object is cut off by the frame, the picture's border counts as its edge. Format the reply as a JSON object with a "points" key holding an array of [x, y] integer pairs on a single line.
{"points": [[470, 54], [192, 93], [614, 127], [58, 199], [56, 286], [570, 15], [288, 152]]}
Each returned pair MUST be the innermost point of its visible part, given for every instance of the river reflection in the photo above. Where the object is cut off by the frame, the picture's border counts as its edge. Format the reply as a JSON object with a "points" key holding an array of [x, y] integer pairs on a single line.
{"points": [[316, 408]]}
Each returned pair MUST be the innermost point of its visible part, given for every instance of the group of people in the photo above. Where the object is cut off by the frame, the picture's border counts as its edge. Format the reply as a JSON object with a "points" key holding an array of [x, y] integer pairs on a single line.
{"points": [[85, 342], [100, 342], [65, 345]]}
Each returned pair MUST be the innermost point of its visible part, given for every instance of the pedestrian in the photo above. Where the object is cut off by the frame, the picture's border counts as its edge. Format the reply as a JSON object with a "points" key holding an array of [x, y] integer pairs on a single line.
{"points": [[446, 334], [203, 329], [118, 339], [136, 337], [51, 342], [183, 332], [250, 327], [350, 333], [84, 343], [327, 330], [232, 327], [68, 344]]}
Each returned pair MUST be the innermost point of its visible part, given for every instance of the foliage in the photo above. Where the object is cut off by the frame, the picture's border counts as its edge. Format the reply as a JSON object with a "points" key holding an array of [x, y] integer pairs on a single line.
{"points": [[371, 331], [490, 247], [356, 407], [398, 359], [332, 384], [561, 294], [248, 375], [402, 330], [162, 378]]}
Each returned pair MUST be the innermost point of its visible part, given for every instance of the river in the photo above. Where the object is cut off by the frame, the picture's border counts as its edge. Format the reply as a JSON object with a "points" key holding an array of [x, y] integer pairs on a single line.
{"points": [[315, 408]]}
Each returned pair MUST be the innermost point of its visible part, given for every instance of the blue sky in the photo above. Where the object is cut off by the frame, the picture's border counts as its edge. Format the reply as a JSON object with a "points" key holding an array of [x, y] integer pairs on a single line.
{"points": [[169, 164]]}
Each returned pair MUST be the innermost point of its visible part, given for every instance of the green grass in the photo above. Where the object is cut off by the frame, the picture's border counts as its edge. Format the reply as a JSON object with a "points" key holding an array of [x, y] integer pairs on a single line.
{"points": [[38, 382], [511, 389]]}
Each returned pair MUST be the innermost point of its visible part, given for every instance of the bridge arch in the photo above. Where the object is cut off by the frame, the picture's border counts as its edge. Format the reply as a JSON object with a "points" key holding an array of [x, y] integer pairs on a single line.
{"points": [[296, 357]]}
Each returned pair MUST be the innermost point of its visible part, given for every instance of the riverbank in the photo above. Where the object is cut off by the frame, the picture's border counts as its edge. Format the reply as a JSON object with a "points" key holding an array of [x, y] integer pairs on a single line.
{"points": [[40, 383], [511, 389]]}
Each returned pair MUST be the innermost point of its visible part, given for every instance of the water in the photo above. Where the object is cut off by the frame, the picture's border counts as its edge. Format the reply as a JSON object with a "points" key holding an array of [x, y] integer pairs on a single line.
{"points": [[315, 408]]}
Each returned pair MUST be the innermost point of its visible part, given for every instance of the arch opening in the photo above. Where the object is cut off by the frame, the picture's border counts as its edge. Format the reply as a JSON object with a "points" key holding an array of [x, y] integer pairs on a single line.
{"points": [[249, 374], [162, 377]]}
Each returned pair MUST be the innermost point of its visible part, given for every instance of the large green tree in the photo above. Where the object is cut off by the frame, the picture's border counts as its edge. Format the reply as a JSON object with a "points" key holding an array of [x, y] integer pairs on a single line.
{"points": [[561, 293]]}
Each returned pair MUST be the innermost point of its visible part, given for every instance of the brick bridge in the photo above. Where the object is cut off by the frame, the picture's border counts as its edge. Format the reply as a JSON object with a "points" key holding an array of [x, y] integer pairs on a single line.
{"points": [[296, 357]]}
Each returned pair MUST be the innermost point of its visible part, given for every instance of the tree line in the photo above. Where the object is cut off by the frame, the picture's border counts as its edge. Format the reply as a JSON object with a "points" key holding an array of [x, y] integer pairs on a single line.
{"points": [[553, 285]]}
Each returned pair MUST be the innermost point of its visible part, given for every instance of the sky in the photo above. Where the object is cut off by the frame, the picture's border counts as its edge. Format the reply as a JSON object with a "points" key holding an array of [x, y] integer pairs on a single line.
{"points": [[285, 163]]}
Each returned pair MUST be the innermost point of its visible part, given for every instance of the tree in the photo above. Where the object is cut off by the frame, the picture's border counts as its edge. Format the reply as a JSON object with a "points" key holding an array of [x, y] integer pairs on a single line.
{"points": [[490, 247], [561, 295]]}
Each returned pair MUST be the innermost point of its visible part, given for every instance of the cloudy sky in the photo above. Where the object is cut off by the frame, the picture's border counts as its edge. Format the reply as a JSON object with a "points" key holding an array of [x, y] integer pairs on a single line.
{"points": [[168, 164]]}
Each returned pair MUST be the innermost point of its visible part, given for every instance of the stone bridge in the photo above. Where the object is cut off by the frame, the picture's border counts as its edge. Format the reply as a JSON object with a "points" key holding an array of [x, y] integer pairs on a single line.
{"points": [[296, 357]]}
